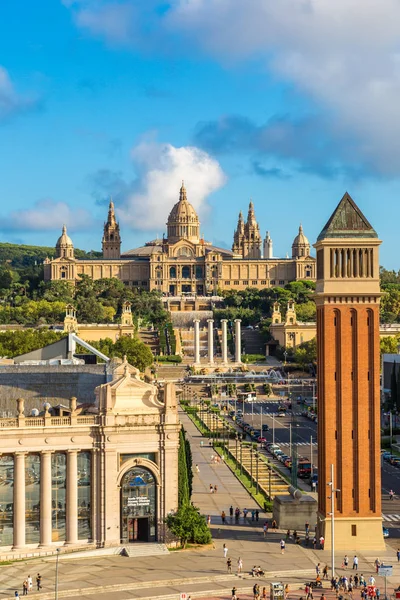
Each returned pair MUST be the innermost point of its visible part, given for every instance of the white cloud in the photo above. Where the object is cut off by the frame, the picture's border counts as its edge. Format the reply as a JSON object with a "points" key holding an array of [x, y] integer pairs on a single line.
{"points": [[160, 168], [47, 215], [344, 54], [10, 101]]}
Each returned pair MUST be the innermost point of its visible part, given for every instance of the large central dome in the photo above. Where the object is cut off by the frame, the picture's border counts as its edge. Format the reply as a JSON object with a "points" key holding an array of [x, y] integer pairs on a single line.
{"points": [[183, 222]]}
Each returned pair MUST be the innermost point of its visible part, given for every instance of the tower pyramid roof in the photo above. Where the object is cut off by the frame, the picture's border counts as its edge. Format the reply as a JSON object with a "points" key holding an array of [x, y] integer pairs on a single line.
{"points": [[347, 221]]}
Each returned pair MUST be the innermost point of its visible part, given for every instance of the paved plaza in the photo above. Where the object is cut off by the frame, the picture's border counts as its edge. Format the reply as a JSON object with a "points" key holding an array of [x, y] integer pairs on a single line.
{"points": [[201, 572]]}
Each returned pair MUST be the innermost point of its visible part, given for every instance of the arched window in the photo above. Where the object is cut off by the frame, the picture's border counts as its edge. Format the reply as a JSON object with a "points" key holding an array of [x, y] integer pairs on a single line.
{"points": [[184, 251], [172, 273], [158, 273], [63, 272], [186, 272]]}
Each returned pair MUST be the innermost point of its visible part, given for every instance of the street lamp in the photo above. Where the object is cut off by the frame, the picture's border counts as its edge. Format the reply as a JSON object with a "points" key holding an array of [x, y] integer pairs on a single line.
{"points": [[257, 484], [56, 588], [251, 466], [269, 481], [332, 514]]}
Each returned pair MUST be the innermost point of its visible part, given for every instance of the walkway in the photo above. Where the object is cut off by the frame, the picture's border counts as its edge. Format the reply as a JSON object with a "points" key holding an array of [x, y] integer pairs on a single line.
{"points": [[202, 573]]}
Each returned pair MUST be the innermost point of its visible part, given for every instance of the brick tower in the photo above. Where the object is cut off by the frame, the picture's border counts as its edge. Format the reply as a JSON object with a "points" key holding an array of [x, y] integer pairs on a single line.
{"points": [[347, 298]]}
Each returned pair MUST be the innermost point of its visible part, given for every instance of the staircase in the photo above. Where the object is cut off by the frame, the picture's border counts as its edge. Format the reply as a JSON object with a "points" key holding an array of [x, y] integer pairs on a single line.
{"points": [[143, 549], [252, 341], [150, 338]]}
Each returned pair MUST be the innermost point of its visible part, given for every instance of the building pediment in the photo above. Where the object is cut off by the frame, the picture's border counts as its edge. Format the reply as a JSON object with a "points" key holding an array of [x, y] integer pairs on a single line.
{"points": [[64, 260], [126, 394]]}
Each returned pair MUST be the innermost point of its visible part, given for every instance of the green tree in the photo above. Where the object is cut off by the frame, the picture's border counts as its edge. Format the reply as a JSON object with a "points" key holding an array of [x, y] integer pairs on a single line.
{"points": [[137, 353], [306, 353], [389, 344], [189, 526], [306, 312]]}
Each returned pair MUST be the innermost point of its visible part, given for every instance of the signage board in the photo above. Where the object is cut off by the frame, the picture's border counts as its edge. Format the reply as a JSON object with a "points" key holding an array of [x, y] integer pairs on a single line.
{"points": [[385, 570], [139, 501], [183, 596]]}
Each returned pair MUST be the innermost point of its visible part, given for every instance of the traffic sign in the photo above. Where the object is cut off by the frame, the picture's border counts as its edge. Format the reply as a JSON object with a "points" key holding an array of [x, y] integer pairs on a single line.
{"points": [[183, 596], [385, 570]]}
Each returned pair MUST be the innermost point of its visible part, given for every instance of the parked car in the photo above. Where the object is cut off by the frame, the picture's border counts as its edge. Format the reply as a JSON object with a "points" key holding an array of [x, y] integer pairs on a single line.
{"points": [[281, 414], [385, 532], [265, 427], [261, 439], [386, 455]]}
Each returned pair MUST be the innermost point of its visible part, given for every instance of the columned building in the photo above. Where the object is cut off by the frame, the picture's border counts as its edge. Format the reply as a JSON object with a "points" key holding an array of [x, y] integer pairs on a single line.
{"points": [[183, 262], [105, 477], [347, 299]]}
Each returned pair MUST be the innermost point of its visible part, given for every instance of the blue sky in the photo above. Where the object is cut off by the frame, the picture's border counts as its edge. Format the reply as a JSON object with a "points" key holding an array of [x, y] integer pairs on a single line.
{"points": [[290, 104]]}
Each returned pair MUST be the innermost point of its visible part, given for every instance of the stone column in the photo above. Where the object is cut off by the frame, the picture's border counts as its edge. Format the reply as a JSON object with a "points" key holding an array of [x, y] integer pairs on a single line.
{"points": [[45, 499], [19, 500], [197, 341], [238, 341], [210, 340], [72, 497], [224, 341]]}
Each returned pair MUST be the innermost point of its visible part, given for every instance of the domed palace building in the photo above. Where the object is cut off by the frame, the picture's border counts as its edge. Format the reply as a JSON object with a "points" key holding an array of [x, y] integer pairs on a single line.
{"points": [[184, 263]]}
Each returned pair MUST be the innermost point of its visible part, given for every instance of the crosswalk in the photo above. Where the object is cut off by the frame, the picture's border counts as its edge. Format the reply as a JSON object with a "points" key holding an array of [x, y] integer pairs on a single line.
{"points": [[391, 518], [298, 444]]}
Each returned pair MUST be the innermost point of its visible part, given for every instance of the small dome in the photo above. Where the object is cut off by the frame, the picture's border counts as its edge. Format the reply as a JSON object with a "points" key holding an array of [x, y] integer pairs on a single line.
{"points": [[64, 239], [183, 211], [300, 239]]}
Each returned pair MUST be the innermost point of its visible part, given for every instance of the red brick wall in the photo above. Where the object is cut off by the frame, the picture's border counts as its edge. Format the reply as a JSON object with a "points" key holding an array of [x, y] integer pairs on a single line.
{"points": [[348, 406]]}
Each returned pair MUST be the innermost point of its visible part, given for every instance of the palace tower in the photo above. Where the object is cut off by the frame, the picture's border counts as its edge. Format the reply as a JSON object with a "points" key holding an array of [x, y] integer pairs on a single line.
{"points": [[111, 242], [347, 298]]}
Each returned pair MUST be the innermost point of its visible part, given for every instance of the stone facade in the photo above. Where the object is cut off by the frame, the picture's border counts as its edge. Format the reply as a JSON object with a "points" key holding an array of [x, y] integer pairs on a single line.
{"points": [[347, 298], [183, 262], [105, 477]]}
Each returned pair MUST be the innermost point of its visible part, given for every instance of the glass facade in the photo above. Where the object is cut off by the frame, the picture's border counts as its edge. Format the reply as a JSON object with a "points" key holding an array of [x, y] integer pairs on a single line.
{"points": [[58, 493], [138, 506], [84, 495], [32, 498], [6, 500], [149, 455]]}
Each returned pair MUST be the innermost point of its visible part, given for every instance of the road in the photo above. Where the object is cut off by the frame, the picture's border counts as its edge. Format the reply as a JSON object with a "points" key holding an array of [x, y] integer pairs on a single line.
{"points": [[305, 428]]}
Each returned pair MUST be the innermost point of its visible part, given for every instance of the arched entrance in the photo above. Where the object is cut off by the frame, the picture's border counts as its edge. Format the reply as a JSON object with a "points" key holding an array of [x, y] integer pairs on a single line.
{"points": [[138, 506]]}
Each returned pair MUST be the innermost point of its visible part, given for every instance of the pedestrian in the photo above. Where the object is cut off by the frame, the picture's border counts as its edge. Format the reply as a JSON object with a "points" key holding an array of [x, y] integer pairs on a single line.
{"points": [[25, 588], [245, 511], [215, 489], [223, 516], [265, 528], [237, 514], [273, 524], [209, 520], [345, 561], [211, 488], [314, 542], [229, 565], [212, 458], [307, 527], [391, 494], [323, 597], [197, 469], [201, 443], [257, 514], [283, 544], [256, 591], [371, 580], [356, 579], [313, 486], [378, 593], [234, 597], [318, 569], [286, 592], [398, 554], [377, 565], [253, 514], [355, 562], [39, 582], [264, 593], [16, 594], [321, 542], [231, 511], [30, 583], [325, 572], [225, 550], [288, 535], [239, 565]]}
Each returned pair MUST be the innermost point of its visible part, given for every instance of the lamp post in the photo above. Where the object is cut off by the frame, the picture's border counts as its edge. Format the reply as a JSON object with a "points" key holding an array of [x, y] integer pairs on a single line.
{"points": [[241, 457], [269, 481], [257, 484], [331, 484], [56, 588], [236, 448], [251, 466]]}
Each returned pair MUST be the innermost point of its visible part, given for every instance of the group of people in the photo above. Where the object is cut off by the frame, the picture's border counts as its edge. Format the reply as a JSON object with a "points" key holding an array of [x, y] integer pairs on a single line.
{"points": [[255, 513], [27, 585]]}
